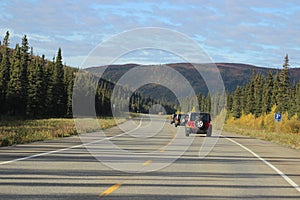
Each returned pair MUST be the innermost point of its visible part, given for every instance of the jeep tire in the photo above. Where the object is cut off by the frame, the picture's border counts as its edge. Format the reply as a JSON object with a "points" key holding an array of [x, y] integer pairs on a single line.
{"points": [[209, 131], [187, 133]]}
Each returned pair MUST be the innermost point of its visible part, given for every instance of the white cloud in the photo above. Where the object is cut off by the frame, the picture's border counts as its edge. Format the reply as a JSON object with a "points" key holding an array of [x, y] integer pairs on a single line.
{"points": [[232, 31]]}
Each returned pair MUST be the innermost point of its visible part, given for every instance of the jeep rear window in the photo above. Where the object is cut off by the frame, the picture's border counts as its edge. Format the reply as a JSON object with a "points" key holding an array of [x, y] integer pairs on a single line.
{"points": [[201, 116]]}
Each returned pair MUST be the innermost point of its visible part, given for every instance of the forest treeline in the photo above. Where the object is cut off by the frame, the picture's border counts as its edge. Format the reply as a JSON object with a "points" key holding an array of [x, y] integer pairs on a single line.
{"points": [[33, 86], [258, 97], [261, 94]]}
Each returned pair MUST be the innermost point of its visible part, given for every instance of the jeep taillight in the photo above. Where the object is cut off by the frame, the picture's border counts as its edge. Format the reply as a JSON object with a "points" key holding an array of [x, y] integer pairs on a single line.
{"points": [[191, 124], [206, 124]]}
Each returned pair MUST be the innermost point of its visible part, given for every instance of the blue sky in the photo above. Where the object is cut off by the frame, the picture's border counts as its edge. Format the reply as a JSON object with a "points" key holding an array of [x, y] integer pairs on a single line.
{"points": [[258, 32]]}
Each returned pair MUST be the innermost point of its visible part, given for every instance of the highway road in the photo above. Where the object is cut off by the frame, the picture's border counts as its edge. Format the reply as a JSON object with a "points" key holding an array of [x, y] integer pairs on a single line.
{"points": [[150, 159]]}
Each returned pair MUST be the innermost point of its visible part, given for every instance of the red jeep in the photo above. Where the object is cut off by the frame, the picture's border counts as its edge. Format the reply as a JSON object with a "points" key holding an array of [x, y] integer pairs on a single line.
{"points": [[198, 122]]}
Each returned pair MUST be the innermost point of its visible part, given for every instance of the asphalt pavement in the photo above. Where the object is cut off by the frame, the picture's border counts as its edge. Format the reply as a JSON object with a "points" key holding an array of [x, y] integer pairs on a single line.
{"points": [[150, 159]]}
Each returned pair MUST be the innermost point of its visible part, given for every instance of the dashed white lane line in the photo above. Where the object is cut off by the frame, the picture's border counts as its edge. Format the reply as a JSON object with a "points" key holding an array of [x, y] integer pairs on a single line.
{"points": [[284, 176]]}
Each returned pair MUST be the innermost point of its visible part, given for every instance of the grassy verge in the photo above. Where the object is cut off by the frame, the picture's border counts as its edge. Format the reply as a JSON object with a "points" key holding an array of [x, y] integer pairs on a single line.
{"points": [[287, 139], [13, 131]]}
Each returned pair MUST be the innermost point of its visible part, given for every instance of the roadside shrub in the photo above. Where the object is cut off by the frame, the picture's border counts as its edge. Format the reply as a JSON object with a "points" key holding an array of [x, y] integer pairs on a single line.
{"points": [[6, 141], [264, 127]]}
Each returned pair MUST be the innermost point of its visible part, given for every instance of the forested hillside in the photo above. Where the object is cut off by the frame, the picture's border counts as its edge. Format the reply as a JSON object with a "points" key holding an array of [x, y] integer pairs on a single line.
{"points": [[261, 94], [233, 75], [33, 86]]}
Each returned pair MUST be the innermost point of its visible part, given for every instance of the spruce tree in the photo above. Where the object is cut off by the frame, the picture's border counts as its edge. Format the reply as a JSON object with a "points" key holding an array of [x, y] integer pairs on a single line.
{"points": [[42, 74], [275, 91], [69, 82], [0, 52], [4, 72], [24, 77], [14, 94], [258, 90], [236, 104], [36, 89], [229, 101], [284, 87], [31, 101], [292, 104], [297, 100], [216, 104], [249, 108], [208, 103], [267, 96], [58, 87], [49, 101], [244, 97]]}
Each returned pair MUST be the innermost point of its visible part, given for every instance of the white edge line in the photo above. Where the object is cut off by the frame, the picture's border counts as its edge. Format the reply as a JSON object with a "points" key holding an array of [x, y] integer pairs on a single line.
{"points": [[65, 149], [284, 176]]}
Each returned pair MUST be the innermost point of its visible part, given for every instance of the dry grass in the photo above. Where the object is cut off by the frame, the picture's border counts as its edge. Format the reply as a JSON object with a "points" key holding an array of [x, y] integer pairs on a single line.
{"points": [[13, 131], [287, 139]]}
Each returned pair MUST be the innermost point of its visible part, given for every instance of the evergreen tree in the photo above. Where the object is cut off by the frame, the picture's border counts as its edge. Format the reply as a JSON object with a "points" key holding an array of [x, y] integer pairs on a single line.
{"points": [[98, 100], [201, 99], [292, 104], [297, 100], [43, 74], [284, 87], [49, 100], [216, 104], [275, 91], [0, 52], [14, 94], [103, 97], [244, 97], [258, 90], [229, 101], [24, 78], [36, 89], [69, 82], [58, 87], [208, 103], [4, 72], [267, 96], [250, 96], [236, 104]]}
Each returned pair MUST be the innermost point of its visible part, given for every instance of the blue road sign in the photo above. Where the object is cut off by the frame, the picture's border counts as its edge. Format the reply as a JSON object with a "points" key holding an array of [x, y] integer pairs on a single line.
{"points": [[277, 117]]}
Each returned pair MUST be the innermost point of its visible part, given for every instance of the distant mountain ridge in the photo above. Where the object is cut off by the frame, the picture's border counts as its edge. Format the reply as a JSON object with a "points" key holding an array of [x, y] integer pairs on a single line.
{"points": [[233, 75]]}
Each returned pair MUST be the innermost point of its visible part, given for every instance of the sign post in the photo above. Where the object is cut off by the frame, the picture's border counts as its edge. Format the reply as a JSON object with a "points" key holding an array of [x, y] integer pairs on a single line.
{"points": [[277, 117]]}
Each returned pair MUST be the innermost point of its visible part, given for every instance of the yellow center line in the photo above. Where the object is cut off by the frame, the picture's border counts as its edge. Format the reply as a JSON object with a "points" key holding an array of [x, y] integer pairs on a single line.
{"points": [[171, 141], [110, 190], [147, 162], [174, 135]]}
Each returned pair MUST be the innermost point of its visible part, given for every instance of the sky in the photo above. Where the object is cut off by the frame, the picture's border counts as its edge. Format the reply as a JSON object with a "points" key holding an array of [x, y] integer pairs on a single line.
{"points": [[258, 32]]}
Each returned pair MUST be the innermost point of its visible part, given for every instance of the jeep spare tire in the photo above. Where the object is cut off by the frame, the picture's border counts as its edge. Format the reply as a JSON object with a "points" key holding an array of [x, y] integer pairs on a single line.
{"points": [[199, 124]]}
